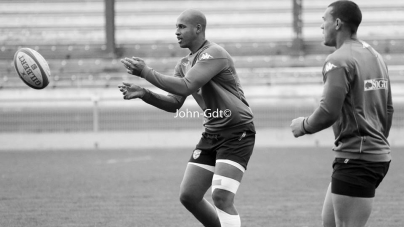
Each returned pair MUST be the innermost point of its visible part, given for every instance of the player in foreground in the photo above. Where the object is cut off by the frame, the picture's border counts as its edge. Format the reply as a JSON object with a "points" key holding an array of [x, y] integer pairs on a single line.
{"points": [[357, 102], [222, 154]]}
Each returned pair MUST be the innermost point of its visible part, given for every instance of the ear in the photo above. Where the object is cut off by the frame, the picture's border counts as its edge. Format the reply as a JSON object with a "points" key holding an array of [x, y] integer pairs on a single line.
{"points": [[338, 24], [198, 28]]}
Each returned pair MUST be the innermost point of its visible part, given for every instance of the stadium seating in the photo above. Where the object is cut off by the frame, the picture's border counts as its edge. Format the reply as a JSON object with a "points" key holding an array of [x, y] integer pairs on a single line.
{"points": [[257, 33]]}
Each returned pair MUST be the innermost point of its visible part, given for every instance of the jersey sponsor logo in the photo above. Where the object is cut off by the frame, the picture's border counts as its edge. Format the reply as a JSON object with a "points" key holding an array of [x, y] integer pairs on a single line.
{"points": [[196, 154], [205, 56], [328, 67], [375, 84]]}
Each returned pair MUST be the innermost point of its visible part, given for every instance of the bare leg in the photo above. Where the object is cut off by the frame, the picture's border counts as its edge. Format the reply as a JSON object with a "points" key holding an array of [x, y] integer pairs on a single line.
{"points": [[194, 185], [224, 199], [225, 184], [328, 210], [351, 211]]}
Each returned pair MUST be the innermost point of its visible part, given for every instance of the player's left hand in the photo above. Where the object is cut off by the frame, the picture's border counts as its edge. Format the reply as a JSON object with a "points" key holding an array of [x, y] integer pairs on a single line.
{"points": [[131, 91], [297, 127], [134, 65]]}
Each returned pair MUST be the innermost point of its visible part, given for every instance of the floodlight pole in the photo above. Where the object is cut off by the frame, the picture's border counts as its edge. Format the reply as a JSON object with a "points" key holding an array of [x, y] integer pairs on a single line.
{"points": [[110, 27], [298, 45]]}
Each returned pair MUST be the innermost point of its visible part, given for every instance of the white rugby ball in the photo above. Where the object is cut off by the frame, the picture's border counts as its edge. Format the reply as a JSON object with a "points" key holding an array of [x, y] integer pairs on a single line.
{"points": [[32, 68]]}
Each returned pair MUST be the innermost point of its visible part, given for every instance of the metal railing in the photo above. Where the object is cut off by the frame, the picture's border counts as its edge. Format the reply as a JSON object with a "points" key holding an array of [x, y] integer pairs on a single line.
{"points": [[100, 113]]}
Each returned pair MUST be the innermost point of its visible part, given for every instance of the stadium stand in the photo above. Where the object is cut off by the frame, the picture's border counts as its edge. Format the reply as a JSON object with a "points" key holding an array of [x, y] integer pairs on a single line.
{"points": [[70, 34], [258, 33]]}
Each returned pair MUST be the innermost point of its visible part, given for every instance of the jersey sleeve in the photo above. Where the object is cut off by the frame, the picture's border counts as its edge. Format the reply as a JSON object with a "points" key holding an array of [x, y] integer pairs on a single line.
{"points": [[336, 86], [169, 102], [203, 71]]}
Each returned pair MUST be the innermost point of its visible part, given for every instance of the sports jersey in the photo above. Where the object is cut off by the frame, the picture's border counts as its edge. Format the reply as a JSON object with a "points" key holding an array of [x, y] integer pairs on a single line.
{"points": [[209, 75], [357, 102]]}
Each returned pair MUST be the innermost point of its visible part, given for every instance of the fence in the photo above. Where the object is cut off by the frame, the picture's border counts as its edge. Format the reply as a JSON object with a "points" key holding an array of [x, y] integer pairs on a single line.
{"points": [[98, 113], [260, 35]]}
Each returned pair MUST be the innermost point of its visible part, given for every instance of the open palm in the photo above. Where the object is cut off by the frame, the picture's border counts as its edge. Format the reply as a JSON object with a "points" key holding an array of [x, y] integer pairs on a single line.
{"points": [[131, 91]]}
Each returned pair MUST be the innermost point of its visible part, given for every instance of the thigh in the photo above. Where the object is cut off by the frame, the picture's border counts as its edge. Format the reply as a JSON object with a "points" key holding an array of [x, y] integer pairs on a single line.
{"points": [[351, 211], [232, 158], [328, 210], [225, 184], [228, 188], [196, 181], [227, 169]]}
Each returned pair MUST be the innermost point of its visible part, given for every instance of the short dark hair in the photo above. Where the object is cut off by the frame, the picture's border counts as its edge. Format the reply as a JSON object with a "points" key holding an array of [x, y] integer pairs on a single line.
{"points": [[348, 12]]}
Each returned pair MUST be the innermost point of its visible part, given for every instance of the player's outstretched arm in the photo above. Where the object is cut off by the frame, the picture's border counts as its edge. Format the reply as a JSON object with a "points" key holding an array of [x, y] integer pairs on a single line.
{"points": [[195, 78], [169, 103]]}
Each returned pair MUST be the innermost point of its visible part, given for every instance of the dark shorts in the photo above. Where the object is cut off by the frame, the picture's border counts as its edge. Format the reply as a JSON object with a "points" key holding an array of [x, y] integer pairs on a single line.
{"points": [[235, 144], [357, 178]]}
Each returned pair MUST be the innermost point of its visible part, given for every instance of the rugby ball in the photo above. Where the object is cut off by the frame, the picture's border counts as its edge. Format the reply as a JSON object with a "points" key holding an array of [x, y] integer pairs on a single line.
{"points": [[32, 68]]}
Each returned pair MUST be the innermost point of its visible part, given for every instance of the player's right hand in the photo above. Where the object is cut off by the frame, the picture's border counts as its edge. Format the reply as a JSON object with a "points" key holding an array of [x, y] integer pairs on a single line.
{"points": [[297, 127], [131, 91], [134, 65]]}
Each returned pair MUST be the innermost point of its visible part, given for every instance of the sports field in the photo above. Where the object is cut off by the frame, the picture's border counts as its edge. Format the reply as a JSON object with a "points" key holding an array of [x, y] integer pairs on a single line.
{"points": [[283, 187]]}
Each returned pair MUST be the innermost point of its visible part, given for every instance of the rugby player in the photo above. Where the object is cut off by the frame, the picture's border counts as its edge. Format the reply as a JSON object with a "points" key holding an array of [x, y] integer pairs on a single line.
{"points": [[220, 158], [357, 102]]}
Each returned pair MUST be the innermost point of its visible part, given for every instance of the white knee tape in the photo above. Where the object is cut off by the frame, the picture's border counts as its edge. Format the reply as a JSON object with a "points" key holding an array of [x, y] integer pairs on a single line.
{"points": [[227, 220], [224, 183]]}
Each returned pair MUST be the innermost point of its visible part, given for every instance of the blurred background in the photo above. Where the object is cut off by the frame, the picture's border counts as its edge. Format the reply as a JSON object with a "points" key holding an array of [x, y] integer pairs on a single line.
{"points": [[276, 46], [77, 154]]}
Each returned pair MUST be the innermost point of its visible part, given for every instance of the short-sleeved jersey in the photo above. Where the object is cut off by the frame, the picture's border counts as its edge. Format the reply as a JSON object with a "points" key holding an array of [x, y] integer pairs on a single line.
{"points": [[221, 98], [361, 81]]}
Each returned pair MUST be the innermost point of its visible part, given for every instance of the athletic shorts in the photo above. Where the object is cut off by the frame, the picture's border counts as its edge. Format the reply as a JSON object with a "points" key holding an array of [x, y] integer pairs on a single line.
{"points": [[234, 144], [357, 178]]}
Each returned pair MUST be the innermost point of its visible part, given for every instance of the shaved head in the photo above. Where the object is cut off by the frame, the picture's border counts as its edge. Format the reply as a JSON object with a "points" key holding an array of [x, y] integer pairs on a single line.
{"points": [[194, 17], [190, 32]]}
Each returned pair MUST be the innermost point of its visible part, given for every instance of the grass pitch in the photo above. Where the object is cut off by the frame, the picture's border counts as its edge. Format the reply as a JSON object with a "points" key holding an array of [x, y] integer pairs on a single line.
{"points": [[139, 188]]}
